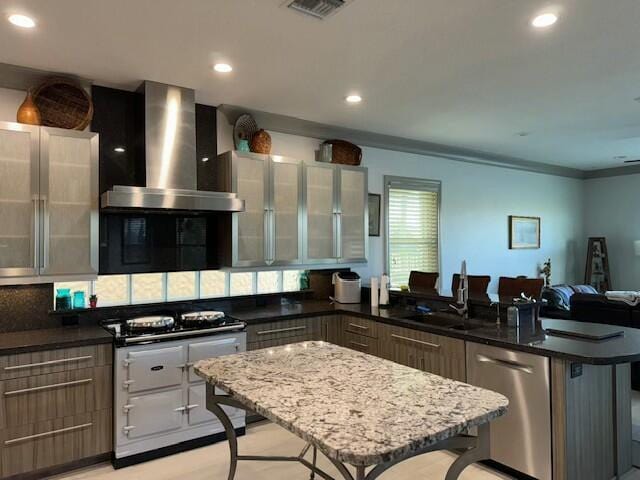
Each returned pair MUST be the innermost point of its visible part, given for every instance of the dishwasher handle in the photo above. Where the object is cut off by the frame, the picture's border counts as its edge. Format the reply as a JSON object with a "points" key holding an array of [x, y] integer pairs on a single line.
{"points": [[528, 369]]}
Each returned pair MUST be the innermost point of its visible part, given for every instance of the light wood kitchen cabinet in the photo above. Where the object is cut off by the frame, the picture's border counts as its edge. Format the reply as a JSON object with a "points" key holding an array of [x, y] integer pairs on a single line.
{"points": [[269, 231], [55, 408], [336, 220], [48, 204], [283, 332]]}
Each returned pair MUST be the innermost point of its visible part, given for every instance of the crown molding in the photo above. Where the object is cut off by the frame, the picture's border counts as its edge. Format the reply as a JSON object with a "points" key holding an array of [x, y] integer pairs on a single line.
{"points": [[306, 128]]}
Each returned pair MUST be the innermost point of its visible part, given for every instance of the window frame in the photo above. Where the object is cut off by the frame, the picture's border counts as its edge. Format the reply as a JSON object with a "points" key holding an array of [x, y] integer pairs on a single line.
{"points": [[408, 183]]}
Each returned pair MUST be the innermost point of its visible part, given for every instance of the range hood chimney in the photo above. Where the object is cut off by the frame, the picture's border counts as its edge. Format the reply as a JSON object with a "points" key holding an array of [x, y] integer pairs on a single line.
{"points": [[170, 159]]}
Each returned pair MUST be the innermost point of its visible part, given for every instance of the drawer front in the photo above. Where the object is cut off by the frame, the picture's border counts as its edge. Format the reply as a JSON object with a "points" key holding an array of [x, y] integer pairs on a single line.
{"points": [[154, 413], [52, 361], [283, 329], [29, 400], [361, 343], [224, 345], [55, 442], [157, 368], [425, 351], [360, 326], [277, 342]]}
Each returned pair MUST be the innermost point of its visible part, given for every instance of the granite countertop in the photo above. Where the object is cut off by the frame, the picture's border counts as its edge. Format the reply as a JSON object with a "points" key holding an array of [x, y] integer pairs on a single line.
{"points": [[355, 408], [617, 350], [52, 338]]}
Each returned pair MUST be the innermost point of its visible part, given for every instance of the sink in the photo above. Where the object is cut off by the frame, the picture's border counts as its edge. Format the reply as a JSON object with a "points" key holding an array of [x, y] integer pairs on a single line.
{"points": [[438, 319], [443, 319], [465, 327]]}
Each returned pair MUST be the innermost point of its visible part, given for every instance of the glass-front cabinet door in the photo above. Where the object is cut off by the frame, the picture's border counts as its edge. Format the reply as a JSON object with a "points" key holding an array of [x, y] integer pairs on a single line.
{"points": [[353, 220], [19, 200], [321, 213], [250, 182], [285, 209], [69, 202]]}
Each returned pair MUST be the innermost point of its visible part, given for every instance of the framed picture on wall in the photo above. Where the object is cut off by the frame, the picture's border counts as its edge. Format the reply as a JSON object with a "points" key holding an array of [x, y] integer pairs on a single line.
{"points": [[374, 214], [524, 232]]}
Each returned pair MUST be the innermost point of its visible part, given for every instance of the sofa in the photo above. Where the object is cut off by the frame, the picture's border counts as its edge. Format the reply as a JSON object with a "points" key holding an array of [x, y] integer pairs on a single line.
{"points": [[599, 309], [556, 300]]}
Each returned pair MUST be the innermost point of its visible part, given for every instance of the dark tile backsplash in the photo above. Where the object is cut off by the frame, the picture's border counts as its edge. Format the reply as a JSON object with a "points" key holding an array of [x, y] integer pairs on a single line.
{"points": [[26, 307]]}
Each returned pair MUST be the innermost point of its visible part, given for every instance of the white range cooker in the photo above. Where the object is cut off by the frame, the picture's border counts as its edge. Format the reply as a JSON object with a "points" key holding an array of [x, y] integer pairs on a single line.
{"points": [[159, 402]]}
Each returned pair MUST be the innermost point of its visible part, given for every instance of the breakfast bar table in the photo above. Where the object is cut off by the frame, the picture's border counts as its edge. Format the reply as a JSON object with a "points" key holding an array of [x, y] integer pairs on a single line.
{"points": [[354, 408]]}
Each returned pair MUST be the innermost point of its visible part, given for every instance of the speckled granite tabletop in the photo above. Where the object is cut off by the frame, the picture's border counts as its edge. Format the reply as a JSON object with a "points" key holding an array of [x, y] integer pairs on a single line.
{"points": [[356, 408]]}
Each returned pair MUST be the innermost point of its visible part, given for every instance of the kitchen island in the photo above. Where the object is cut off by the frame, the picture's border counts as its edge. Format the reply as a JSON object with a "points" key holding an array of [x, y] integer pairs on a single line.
{"points": [[579, 396], [355, 408]]}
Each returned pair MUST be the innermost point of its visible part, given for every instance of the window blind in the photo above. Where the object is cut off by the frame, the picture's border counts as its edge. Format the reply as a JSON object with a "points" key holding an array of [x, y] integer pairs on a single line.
{"points": [[412, 231]]}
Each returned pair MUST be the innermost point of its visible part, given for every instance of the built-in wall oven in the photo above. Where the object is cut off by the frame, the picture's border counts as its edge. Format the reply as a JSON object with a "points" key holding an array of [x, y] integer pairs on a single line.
{"points": [[159, 401]]}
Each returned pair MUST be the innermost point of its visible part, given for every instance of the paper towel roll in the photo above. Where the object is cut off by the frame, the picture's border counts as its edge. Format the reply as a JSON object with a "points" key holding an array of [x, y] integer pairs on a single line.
{"points": [[384, 290], [374, 292]]}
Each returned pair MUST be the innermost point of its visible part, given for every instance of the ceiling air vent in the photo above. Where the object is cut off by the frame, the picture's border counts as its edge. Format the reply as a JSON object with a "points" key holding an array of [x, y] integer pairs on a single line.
{"points": [[317, 8]]}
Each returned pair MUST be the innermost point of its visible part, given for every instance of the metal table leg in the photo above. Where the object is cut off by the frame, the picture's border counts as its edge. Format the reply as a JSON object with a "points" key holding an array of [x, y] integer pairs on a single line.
{"points": [[478, 448], [481, 451]]}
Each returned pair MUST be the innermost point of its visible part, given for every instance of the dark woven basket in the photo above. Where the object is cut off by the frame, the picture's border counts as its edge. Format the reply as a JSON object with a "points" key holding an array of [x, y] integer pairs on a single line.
{"points": [[63, 103], [345, 153]]}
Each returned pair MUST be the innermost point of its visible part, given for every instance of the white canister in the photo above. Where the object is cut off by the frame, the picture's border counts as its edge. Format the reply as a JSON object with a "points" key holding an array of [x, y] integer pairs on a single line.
{"points": [[374, 292]]}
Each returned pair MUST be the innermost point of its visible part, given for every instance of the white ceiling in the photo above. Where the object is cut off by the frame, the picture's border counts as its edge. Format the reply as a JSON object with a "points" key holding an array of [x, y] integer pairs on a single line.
{"points": [[467, 73]]}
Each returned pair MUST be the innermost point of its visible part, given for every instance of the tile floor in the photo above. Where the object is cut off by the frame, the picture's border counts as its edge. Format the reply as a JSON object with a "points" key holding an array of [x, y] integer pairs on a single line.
{"points": [[211, 463]]}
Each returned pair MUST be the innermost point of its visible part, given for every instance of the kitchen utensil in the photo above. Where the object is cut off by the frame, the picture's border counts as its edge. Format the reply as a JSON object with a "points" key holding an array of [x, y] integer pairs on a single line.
{"points": [[156, 322], [346, 287]]}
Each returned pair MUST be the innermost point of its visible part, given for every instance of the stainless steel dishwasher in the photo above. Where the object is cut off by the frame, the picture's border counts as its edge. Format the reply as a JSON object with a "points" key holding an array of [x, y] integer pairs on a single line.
{"points": [[522, 438]]}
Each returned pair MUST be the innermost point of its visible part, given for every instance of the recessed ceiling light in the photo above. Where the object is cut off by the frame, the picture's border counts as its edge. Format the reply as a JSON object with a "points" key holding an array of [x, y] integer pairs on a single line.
{"points": [[222, 67], [353, 99], [22, 21], [545, 20], [119, 149]]}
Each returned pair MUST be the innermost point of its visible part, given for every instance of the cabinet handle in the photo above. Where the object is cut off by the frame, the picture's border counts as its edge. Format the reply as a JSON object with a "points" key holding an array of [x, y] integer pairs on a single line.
{"points": [[47, 434], [127, 383], [49, 363], [127, 429], [267, 249], [505, 363], [190, 407], [48, 387], [180, 409], [338, 234], [272, 237], [357, 344], [362, 327], [46, 234], [422, 363], [281, 330], [35, 233], [413, 340], [128, 407]]}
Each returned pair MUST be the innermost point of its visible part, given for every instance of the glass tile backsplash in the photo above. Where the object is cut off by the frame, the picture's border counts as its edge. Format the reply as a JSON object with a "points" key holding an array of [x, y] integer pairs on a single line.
{"points": [[140, 288]]}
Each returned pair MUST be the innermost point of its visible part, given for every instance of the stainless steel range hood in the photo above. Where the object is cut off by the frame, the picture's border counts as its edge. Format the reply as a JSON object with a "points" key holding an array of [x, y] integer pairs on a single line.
{"points": [[170, 159]]}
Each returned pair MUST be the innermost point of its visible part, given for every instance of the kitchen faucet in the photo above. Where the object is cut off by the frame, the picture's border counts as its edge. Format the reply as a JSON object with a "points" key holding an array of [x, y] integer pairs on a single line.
{"points": [[463, 294]]}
